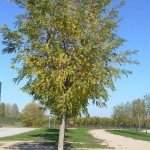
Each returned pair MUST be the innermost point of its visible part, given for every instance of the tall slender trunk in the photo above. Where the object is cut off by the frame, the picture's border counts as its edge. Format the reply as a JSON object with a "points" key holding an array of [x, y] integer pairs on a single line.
{"points": [[146, 126], [139, 122], [62, 133], [146, 123]]}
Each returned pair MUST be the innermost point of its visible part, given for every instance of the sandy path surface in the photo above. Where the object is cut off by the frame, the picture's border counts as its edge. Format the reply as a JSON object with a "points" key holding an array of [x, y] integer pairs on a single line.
{"points": [[120, 142], [12, 131]]}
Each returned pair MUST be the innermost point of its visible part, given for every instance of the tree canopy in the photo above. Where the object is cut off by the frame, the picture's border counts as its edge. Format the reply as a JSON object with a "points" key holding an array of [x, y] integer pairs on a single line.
{"points": [[32, 115], [68, 51], [2, 110]]}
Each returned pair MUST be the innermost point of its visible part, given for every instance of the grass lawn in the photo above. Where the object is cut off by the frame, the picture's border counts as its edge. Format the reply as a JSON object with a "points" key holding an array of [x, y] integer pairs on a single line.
{"points": [[138, 135], [74, 138]]}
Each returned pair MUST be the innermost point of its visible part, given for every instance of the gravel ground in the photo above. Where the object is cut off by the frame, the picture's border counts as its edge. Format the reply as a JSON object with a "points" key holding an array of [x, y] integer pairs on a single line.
{"points": [[4, 132], [120, 142]]}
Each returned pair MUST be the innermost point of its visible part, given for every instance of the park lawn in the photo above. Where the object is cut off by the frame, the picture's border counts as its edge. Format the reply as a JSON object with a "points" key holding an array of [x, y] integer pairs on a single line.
{"points": [[74, 138], [137, 135], [82, 139]]}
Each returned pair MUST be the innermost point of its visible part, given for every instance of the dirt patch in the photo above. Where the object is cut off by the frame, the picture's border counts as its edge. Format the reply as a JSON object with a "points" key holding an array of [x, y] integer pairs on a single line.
{"points": [[120, 142]]}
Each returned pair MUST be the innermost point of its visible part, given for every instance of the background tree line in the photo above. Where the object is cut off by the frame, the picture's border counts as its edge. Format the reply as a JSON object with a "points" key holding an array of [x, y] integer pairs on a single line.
{"points": [[31, 115], [133, 114], [9, 114]]}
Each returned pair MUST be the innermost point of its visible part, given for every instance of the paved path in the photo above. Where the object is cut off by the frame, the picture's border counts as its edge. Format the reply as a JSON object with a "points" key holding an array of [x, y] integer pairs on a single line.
{"points": [[120, 142], [12, 131]]}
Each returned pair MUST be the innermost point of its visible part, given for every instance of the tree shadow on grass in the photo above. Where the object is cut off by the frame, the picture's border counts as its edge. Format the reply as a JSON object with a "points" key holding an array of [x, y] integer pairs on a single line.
{"points": [[49, 135], [36, 146], [51, 138]]}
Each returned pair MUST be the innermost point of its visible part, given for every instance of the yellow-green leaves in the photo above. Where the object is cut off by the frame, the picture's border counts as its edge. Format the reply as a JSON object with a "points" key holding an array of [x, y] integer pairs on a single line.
{"points": [[68, 52]]}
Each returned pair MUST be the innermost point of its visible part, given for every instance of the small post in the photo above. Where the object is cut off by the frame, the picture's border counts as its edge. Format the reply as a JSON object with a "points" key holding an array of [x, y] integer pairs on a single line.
{"points": [[54, 121], [139, 121], [49, 122]]}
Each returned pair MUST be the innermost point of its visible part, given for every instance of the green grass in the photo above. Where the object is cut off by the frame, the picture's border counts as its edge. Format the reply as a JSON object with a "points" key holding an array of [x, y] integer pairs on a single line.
{"points": [[137, 135], [80, 138], [74, 138], [35, 135]]}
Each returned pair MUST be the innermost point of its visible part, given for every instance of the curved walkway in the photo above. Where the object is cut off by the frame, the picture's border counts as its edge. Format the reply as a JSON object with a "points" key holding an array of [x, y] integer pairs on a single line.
{"points": [[120, 142], [4, 132]]}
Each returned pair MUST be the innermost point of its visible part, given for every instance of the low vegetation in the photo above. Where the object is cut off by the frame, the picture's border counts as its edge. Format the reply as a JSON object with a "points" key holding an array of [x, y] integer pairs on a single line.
{"points": [[74, 138], [137, 135]]}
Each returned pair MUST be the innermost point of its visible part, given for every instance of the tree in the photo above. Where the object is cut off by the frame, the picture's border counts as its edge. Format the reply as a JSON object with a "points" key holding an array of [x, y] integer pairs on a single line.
{"points": [[147, 108], [138, 110], [11, 113], [68, 52], [14, 112], [123, 113], [119, 114], [2, 110], [32, 115], [128, 112], [8, 111]]}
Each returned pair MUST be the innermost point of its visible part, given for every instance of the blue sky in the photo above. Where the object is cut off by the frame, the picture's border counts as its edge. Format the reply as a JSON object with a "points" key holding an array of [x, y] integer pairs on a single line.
{"points": [[135, 27]]}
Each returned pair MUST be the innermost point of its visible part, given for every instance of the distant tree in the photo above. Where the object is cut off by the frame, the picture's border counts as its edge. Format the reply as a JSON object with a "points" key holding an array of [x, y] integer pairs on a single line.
{"points": [[128, 112], [14, 112], [147, 104], [147, 109], [8, 111], [138, 110], [33, 115], [119, 113], [69, 53], [2, 110]]}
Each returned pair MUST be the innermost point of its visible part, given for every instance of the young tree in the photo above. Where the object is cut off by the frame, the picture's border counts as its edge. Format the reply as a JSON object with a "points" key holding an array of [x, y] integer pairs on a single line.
{"points": [[147, 109], [119, 114], [14, 112], [2, 110], [123, 113], [128, 112], [68, 51], [138, 110], [8, 111], [32, 114]]}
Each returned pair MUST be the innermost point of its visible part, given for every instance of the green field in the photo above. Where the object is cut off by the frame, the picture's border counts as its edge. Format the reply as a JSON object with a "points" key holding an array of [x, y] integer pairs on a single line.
{"points": [[137, 135], [74, 138]]}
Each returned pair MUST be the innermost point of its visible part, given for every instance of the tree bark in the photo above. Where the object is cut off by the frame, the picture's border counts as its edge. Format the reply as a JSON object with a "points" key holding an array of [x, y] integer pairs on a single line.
{"points": [[62, 133], [146, 123]]}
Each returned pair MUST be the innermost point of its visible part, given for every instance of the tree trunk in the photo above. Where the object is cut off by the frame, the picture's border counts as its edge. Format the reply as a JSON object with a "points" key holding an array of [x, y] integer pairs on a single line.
{"points": [[62, 133], [139, 122], [146, 123], [146, 126], [130, 125]]}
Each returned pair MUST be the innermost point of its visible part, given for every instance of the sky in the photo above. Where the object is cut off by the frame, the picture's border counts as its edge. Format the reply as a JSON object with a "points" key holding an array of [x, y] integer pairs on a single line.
{"points": [[135, 28]]}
